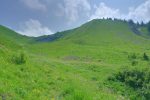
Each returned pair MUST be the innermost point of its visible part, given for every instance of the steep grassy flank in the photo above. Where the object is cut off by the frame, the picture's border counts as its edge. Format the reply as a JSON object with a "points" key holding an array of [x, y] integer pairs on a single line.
{"points": [[10, 39], [74, 66]]}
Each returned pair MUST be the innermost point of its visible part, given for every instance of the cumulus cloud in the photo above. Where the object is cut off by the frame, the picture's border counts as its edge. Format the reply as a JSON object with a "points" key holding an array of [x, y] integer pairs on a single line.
{"points": [[140, 13], [35, 4], [34, 28], [71, 9], [103, 11]]}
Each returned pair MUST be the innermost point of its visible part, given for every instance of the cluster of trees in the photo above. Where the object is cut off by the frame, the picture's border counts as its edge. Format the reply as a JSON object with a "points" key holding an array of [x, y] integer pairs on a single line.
{"points": [[131, 22]]}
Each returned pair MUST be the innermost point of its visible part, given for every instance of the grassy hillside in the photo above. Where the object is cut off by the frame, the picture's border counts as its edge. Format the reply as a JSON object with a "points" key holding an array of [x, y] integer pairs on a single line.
{"points": [[71, 65], [145, 31], [11, 40]]}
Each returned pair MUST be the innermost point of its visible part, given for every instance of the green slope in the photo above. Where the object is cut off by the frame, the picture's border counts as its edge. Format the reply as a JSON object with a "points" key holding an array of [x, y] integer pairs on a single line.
{"points": [[144, 30], [10, 39], [74, 66], [95, 37]]}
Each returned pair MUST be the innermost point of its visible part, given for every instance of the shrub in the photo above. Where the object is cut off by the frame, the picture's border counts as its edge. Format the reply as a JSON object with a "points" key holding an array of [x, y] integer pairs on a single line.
{"points": [[138, 80], [19, 58], [134, 62], [132, 56], [145, 57]]}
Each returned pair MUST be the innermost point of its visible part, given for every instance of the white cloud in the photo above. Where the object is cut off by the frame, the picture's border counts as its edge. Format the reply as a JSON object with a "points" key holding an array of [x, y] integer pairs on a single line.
{"points": [[35, 4], [103, 11], [140, 13], [71, 9], [34, 28]]}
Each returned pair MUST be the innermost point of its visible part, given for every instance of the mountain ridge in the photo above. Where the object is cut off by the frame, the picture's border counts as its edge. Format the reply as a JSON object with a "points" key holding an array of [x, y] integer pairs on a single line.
{"points": [[89, 25]]}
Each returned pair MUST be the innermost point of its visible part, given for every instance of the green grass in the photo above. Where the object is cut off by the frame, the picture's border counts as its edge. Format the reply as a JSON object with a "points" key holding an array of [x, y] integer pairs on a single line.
{"points": [[74, 67], [145, 31]]}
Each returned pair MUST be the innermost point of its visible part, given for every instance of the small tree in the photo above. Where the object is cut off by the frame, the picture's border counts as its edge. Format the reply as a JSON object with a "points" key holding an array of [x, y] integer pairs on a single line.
{"points": [[142, 23], [131, 22], [137, 24], [109, 18]]}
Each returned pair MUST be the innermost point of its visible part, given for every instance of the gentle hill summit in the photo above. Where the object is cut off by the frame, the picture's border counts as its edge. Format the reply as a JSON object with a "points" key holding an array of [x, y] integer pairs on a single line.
{"points": [[99, 31]]}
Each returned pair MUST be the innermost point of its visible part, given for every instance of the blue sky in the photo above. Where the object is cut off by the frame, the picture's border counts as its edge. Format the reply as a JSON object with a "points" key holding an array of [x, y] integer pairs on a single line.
{"points": [[43, 17]]}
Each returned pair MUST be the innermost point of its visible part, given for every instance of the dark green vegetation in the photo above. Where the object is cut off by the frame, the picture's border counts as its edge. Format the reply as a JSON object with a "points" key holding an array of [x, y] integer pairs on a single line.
{"points": [[80, 64], [133, 80]]}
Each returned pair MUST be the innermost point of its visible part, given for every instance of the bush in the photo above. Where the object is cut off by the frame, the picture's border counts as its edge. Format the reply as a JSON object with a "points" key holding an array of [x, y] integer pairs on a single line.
{"points": [[19, 58], [134, 62], [138, 80], [132, 56], [145, 57]]}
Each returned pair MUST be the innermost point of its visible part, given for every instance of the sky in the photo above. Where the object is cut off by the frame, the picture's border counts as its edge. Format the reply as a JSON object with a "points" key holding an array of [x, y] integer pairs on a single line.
{"points": [[45, 17]]}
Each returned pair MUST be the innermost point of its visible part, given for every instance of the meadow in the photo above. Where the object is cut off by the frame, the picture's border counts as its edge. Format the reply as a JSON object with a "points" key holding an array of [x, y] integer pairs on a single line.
{"points": [[82, 64]]}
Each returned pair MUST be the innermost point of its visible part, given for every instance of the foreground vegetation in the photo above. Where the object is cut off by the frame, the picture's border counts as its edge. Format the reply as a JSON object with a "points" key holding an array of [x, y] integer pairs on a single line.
{"points": [[86, 63]]}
